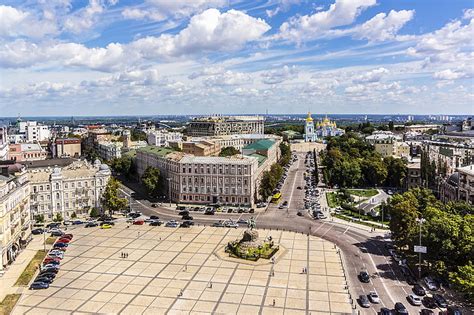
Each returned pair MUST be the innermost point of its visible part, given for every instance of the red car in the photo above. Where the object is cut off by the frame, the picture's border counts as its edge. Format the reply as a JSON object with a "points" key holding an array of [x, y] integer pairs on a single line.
{"points": [[138, 222], [50, 259], [63, 240], [68, 236]]}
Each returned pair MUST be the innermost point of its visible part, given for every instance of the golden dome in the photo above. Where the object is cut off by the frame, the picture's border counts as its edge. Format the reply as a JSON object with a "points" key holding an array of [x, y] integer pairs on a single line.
{"points": [[309, 118]]}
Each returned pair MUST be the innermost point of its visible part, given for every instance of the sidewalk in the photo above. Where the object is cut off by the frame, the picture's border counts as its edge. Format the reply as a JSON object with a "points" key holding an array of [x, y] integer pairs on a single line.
{"points": [[358, 226], [11, 274]]}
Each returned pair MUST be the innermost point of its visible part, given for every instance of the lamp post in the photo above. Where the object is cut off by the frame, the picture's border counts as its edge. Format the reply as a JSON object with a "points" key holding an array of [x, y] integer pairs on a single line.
{"points": [[420, 221]]}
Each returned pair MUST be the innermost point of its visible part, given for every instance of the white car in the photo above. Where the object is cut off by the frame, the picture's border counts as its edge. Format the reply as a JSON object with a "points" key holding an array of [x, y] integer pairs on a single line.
{"points": [[414, 299], [172, 223], [430, 283], [231, 224], [374, 297]]}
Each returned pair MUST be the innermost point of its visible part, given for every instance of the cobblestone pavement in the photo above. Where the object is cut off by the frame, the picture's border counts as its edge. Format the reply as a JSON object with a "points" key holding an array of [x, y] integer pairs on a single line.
{"points": [[176, 271]]}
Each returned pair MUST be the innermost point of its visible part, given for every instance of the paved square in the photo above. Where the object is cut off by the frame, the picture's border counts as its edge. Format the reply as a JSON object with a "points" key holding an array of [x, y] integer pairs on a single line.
{"points": [[176, 271]]}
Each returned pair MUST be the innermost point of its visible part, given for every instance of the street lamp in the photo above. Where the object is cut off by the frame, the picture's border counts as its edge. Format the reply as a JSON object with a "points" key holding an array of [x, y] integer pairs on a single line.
{"points": [[169, 190], [420, 249]]}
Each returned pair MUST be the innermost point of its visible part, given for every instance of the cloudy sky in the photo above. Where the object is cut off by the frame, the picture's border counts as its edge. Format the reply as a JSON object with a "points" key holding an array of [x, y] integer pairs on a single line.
{"points": [[116, 57]]}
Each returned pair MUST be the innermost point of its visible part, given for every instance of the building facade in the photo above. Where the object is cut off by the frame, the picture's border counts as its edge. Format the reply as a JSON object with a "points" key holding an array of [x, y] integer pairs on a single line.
{"points": [[15, 225], [66, 147], [327, 128], [459, 186], [109, 150], [225, 125], [161, 138], [413, 178], [27, 152], [74, 188], [201, 148], [4, 144]]}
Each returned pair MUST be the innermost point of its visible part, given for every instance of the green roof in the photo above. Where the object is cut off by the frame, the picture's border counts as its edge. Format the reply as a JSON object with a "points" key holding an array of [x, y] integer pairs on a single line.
{"points": [[159, 151], [260, 158], [263, 144]]}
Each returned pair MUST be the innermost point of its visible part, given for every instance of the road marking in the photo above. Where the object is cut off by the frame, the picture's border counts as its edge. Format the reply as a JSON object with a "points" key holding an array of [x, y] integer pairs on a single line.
{"points": [[293, 187], [346, 230]]}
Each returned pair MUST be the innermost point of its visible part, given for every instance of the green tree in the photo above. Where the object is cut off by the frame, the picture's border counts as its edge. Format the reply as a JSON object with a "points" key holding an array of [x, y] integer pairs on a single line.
{"points": [[39, 218], [391, 126], [285, 154], [396, 172], [463, 280], [73, 215], [403, 225], [374, 170], [229, 151], [58, 217], [94, 213], [270, 180], [152, 180], [122, 165], [111, 200]]}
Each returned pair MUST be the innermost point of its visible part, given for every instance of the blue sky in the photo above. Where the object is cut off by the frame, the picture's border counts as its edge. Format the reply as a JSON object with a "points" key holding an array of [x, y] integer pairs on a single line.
{"points": [[99, 57]]}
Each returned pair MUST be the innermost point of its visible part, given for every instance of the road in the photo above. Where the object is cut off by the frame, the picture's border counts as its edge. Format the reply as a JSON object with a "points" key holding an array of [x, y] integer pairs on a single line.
{"points": [[360, 248]]}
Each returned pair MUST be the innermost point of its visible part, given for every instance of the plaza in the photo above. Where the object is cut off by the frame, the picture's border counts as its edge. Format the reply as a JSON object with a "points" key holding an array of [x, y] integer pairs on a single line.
{"points": [[177, 271]]}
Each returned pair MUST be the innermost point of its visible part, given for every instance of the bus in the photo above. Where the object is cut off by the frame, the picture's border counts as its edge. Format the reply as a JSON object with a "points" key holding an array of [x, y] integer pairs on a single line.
{"points": [[276, 198]]}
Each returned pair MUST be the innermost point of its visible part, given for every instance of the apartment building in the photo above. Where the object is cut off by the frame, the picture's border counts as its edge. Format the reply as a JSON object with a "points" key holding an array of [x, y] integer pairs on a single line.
{"points": [[225, 125], [413, 178], [22, 152], [459, 186], [201, 148], [76, 187], [15, 226], [109, 150], [453, 155], [4, 144], [388, 144], [161, 138], [66, 147]]}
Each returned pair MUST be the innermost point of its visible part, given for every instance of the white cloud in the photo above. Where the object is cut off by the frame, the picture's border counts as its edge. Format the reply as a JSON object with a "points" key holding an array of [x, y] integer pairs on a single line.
{"points": [[206, 72], [307, 27], [282, 6], [279, 75], [383, 26], [371, 76], [86, 17], [208, 31], [454, 74], [16, 23], [138, 14], [228, 78], [250, 92], [468, 14]]}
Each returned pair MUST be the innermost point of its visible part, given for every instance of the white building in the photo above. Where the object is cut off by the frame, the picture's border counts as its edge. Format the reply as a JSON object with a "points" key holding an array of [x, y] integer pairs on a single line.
{"points": [[109, 150], [73, 188], [4, 147], [14, 212], [35, 132], [161, 138], [309, 134]]}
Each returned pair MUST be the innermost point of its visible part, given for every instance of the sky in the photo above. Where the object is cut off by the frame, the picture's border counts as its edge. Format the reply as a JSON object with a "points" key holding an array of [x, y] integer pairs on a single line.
{"points": [[158, 57]]}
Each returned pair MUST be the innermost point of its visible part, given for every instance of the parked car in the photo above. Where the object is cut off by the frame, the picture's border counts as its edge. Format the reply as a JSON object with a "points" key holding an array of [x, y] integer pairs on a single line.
{"points": [[63, 240], [453, 310], [77, 222], [37, 231], [39, 285], [218, 224], [69, 236], [428, 302], [48, 259], [251, 210], [400, 309], [106, 226], [171, 223], [426, 311], [440, 300], [60, 245], [364, 276], [299, 213], [44, 279], [52, 262], [156, 223], [364, 301], [183, 212], [209, 211], [107, 222], [231, 224], [414, 299], [49, 275], [53, 225], [419, 290], [154, 217], [386, 311], [185, 224], [154, 205], [138, 222], [374, 297], [91, 224], [187, 217], [431, 283], [50, 270], [49, 266]]}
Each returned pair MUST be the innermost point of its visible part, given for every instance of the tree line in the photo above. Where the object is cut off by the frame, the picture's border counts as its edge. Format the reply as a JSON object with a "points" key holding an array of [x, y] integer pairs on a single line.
{"points": [[351, 162], [447, 231], [271, 177]]}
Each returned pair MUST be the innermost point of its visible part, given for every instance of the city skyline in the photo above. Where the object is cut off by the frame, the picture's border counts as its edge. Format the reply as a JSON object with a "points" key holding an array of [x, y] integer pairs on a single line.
{"points": [[63, 58]]}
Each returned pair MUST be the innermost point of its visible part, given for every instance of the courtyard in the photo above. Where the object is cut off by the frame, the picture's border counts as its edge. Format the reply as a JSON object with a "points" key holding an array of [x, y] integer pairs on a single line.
{"points": [[177, 271]]}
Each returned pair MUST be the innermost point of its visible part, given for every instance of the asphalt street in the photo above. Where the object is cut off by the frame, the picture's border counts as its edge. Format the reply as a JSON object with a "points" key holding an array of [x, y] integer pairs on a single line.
{"points": [[359, 248]]}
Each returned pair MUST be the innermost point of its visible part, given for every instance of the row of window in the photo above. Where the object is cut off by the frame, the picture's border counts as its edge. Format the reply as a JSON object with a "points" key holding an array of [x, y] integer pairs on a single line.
{"points": [[214, 181], [57, 186], [208, 190], [226, 170]]}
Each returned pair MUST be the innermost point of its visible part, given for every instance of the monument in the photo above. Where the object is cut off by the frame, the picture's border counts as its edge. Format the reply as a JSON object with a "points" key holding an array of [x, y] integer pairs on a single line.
{"points": [[249, 247]]}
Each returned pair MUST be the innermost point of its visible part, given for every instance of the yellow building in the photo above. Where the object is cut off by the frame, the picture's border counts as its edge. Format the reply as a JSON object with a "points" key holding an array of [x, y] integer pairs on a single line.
{"points": [[15, 223]]}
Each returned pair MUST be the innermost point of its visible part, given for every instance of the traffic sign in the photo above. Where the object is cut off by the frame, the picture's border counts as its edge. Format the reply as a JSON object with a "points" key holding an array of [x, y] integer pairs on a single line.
{"points": [[420, 249]]}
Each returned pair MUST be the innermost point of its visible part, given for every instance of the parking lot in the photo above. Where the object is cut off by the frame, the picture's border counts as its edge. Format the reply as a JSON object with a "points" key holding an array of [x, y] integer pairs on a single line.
{"points": [[175, 270]]}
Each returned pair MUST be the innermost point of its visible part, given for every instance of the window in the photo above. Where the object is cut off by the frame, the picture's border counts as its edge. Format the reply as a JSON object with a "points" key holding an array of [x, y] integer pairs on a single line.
{"points": [[65, 185], [57, 195], [57, 185]]}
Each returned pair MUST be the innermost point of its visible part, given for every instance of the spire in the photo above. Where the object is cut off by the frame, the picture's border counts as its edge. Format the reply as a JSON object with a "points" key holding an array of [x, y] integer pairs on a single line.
{"points": [[309, 118]]}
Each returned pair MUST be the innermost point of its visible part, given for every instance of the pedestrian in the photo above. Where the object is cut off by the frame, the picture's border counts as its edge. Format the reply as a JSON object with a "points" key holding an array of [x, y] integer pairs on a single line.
{"points": [[273, 302], [180, 238], [126, 255], [180, 292], [210, 285], [121, 254]]}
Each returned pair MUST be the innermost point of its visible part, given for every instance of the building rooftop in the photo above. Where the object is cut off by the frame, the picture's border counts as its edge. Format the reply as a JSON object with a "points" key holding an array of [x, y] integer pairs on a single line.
{"points": [[49, 162], [261, 158], [264, 144], [236, 159], [159, 151]]}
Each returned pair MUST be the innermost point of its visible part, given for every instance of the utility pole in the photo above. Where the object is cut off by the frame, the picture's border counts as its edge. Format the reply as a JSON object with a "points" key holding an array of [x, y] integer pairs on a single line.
{"points": [[420, 250], [169, 190]]}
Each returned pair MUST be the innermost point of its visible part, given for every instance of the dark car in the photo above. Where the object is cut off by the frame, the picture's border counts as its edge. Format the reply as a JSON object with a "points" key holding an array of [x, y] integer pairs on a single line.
{"points": [[52, 225], [428, 302], [60, 245], [453, 310], [364, 301], [299, 213], [57, 233], [51, 262], [180, 208], [400, 309], [252, 210], [187, 217], [386, 311], [185, 224], [39, 285], [154, 205], [43, 279], [91, 224], [364, 276], [411, 280], [440, 300], [209, 212], [77, 222], [419, 290], [155, 223], [190, 222], [184, 212], [426, 311], [154, 217], [37, 231], [50, 275]]}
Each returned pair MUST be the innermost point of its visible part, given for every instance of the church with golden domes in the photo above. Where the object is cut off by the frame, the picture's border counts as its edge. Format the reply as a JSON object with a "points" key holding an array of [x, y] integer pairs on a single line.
{"points": [[324, 128]]}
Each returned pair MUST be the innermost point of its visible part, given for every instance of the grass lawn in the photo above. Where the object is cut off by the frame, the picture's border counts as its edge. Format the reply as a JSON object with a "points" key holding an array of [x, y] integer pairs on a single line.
{"points": [[50, 240], [363, 192], [30, 270], [332, 199], [8, 303]]}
